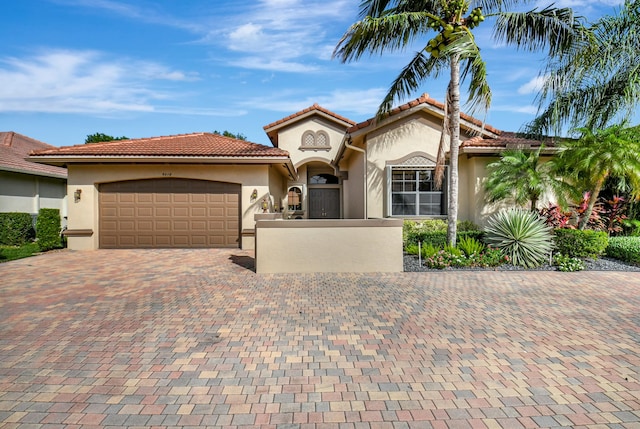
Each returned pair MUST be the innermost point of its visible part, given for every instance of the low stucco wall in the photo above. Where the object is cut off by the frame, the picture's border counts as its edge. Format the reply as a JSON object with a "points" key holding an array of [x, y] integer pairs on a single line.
{"points": [[338, 246]]}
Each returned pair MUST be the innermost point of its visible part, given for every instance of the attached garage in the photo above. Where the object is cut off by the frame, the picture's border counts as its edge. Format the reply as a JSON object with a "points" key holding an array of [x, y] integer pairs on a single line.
{"points": [[199, 190], [169, 212]]}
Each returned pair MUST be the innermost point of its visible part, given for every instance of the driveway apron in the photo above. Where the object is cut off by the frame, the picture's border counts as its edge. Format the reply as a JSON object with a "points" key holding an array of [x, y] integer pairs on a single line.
{"points": [[194, 338]]}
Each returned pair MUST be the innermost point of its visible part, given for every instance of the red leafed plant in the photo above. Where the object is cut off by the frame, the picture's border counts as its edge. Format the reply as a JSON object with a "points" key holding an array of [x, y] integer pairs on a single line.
{"points": [[607, 215]]}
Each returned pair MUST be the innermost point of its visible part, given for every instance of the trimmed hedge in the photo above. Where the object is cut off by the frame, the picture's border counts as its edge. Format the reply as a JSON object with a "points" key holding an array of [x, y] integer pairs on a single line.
{"points": [[577, 243], [16, 229], [625, 248], [48, 229], [439, 238]]}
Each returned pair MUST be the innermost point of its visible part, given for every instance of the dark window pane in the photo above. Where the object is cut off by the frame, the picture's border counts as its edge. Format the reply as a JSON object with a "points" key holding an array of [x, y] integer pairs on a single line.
{"points": [[403, 204], [324, 179]]}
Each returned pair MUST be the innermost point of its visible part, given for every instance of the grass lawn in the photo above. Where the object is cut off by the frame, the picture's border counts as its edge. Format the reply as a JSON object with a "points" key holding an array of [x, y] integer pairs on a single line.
{"points": [[9, 253]]}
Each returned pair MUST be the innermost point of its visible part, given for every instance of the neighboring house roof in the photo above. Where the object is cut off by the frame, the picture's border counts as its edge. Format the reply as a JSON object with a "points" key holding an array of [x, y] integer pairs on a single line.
{"points": [[15, 148], [316, 109], [182, 148]]}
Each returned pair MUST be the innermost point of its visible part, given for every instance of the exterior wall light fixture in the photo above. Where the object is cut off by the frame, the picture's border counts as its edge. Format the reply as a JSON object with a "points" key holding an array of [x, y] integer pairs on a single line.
{"points": [[77, 194]]}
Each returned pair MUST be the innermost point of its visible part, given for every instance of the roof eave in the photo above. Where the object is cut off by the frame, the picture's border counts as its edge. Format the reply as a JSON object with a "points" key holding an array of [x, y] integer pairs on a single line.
{"points": [[471, 150], [270, 128], [83, 159], [375, 124], [33, 172]]}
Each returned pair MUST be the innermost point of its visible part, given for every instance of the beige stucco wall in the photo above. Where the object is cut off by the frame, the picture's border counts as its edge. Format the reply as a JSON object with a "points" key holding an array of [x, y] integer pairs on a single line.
{"points": [[347, 245], [84, 213], [27, 193], [471, 198], [353, 188], [419, 134]]}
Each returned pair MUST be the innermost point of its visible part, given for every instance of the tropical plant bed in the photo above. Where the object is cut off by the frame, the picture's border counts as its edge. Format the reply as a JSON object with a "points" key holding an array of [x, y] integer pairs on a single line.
{"points": [[412, 264]]}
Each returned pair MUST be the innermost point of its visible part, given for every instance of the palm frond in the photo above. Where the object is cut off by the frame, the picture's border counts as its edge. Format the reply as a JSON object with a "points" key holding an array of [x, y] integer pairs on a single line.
{"points": [[412, 75], [556, 30], [379, 35]]}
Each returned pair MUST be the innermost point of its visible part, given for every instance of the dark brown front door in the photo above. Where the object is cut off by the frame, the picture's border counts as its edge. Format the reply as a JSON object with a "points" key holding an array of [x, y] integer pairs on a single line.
{"points": [[324, 203], [169, 213]]}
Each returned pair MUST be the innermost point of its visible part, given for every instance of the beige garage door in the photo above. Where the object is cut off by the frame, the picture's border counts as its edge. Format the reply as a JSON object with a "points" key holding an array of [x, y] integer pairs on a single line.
{"points": [[169, 213]]}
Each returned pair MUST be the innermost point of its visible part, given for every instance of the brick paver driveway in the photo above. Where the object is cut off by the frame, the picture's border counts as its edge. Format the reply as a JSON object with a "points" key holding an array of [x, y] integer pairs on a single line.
{"points": [[191, 338]]}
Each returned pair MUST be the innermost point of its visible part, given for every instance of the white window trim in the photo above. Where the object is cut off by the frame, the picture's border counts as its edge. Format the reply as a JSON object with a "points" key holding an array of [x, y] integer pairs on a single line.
{"points": [[389, 192]]}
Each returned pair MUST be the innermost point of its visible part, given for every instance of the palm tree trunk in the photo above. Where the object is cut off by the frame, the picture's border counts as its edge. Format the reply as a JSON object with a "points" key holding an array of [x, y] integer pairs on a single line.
{"points": [[454, 132], [592, 203]]}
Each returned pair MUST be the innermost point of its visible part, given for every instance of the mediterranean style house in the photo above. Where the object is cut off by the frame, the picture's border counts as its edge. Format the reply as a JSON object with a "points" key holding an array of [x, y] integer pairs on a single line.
{"points": [[206, 190], [26, 186]]}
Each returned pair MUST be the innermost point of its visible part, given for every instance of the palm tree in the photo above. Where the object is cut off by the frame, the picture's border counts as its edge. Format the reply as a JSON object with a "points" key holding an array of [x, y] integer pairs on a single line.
{"points": [[521, 175], [598, 82], [392, 25], [596, 156]]}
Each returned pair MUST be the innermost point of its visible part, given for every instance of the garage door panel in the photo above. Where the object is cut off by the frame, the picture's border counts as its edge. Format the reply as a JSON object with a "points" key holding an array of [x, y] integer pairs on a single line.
{"points": [[162, 198], [106, 212], [180, 212], [162, 211], [126, 198], [144, 226], [181, 198], [126, 211], [198, 212], [144, 198], [169, 213], [216, 212], [127, 240], [199, 226], [144, 212], [162, 226], [181, 226]]}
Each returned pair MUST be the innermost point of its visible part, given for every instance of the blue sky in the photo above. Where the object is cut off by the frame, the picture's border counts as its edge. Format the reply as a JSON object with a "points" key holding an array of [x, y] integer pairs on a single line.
{"points": [[143, 68]]}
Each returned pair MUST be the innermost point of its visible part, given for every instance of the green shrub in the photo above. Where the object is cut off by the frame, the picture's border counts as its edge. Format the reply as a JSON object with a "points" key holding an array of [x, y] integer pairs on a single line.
{"points": [[522, 235], [470, 245], [467, 225], [16, 229], [433, 232], [567, 263], [452, 257], [624, 248], [48, 229], [489, 257], [412, 249], [580, 243]]}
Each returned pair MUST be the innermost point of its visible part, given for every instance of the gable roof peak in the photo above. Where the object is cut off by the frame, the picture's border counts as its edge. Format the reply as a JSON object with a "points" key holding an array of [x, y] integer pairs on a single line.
{"points": [[433, 104]]}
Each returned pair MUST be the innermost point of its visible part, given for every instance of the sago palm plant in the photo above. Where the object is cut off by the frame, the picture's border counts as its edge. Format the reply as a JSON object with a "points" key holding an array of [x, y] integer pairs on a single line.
{"points": [[522, 235]]}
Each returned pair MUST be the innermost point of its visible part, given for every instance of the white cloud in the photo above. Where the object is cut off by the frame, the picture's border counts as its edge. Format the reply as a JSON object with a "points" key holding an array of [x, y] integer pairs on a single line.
{"points": [[83, 82], [277, 32], [526, 109], [258, 63], [348, 102], [533, 86], [282, 32]]}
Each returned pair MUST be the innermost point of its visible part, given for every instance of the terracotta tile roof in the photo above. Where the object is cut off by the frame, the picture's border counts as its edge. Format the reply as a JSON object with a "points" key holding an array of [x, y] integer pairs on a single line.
{"points": [[508, 140], [14, 148], [315, 107], [424, 99], [182, 145]]}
